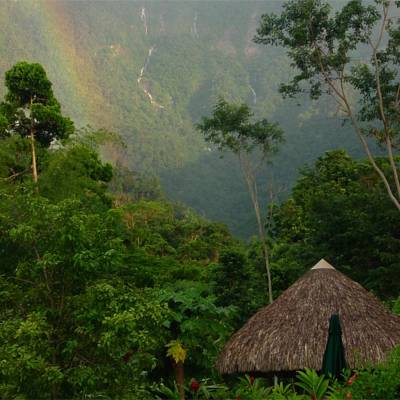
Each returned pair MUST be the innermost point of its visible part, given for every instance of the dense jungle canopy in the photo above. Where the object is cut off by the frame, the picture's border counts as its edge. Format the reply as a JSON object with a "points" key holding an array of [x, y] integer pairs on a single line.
{"points": [[156, 188]]}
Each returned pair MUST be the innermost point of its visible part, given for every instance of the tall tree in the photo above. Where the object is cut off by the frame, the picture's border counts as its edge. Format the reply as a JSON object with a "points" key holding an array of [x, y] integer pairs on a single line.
{"points": [[359, 233], [353, 52], [31, 109], [230, 128]]}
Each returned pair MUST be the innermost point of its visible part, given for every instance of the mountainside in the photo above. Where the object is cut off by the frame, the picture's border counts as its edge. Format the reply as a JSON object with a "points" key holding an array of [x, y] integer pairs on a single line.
{"points": [[151, 69]]}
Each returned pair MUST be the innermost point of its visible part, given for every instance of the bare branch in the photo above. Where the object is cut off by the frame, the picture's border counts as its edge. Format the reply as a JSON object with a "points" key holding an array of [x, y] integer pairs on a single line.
{"points": [[13, 176], [389, 148], [368, 151], [396, 102]]}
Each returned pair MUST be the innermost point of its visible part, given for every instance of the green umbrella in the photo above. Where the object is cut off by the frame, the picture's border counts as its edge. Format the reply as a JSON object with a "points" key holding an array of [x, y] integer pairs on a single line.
{"points": [[334, 361]]}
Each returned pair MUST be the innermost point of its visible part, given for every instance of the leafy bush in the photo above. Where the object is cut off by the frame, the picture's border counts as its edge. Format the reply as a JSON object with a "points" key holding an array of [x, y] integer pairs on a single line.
{"points": [[381, 382]]}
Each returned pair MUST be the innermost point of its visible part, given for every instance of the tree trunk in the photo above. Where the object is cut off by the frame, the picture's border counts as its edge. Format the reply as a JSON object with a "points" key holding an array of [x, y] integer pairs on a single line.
{"points": [[179, 378], [33, 149], [250, 178], [340, 96], [263, 239]]}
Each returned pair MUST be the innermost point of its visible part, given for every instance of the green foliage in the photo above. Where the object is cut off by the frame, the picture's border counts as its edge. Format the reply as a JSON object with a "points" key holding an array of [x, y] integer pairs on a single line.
{"points": [[120, 329], [358, 233], [75, 320], [168, 393], [210, 391], [230, 128], [197, 326], [91, 295], [94, 288], [318, 41], [128, 185], [162, 228], [396, 307], [50, 124], [26, 82], [186, 74], [239, 281], [284, 392], [250, 388], [207, 391], [69, 272], [15, 160], [231, 278], [31, 105], [312, 384], [377, 382], [3, 126], [76, 171], [323, 46]]}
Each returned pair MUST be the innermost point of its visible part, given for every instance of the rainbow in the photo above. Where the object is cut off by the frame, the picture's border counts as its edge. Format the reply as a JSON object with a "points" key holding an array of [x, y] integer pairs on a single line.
{"points": [[71, 68]]}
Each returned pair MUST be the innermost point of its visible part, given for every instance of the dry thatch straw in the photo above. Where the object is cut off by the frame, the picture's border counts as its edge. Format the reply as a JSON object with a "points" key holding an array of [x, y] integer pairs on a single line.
{"points": [[291, 333]]}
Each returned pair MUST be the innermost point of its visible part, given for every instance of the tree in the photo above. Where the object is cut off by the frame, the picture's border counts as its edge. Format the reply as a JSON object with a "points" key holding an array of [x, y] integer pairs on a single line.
{"points": [[237, 281], [353, 52], [339, 210], [31, 109], [197, 327], [71, 324], [86, 178], [3, 126], [230, 128], [15, 159], [91, 293]]}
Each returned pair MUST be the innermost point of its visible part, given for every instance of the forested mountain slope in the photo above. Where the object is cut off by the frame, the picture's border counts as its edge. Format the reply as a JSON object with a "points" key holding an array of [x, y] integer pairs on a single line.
{"points": [[151, 69]]}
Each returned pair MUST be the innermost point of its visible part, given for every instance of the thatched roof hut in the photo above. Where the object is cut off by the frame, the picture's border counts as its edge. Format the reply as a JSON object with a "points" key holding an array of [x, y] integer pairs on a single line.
{"points": [[291, 333]]}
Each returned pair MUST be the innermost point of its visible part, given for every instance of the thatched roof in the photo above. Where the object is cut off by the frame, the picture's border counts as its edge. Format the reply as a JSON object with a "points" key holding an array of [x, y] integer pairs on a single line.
{"points": [[291, 333]]}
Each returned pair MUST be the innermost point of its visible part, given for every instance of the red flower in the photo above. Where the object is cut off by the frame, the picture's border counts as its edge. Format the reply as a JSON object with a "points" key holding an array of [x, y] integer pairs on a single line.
{"points": [[251, 379], [194, 385], [351, 379]]}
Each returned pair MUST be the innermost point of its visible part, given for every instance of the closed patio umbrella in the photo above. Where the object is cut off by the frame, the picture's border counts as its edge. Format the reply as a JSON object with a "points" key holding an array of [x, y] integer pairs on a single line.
{"points": [[334, 360]]}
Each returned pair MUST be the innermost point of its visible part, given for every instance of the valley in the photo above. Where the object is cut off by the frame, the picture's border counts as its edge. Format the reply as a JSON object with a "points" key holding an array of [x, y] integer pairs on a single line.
{"points": [[150, 70]]}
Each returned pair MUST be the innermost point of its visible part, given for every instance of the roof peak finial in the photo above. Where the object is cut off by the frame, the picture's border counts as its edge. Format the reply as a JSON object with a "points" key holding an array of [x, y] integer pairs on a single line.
{"points": [[322, 264]]}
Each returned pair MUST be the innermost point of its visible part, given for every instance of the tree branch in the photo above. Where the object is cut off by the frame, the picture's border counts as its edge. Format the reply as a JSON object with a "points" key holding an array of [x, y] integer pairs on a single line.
{"points": [[343, 97], [368, 151], [388, 141], [13, 176], [376, 62]]}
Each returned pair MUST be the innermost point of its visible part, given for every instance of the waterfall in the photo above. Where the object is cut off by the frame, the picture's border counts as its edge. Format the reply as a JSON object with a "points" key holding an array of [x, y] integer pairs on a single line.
{"points": [[143, 18], [142, 84], [253, 92]]}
